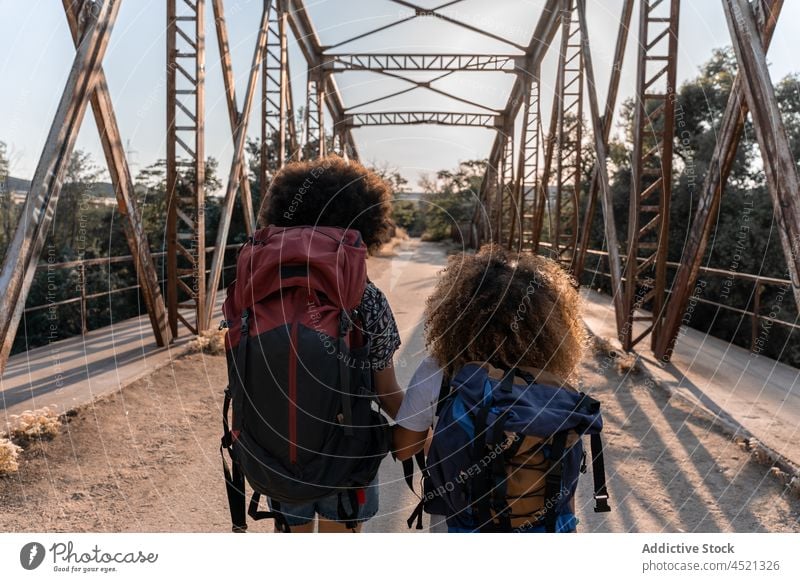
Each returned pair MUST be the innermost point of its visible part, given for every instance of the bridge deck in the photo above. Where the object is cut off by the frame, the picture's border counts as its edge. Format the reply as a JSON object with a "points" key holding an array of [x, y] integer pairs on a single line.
{"points": [[752, 390], [74, 371]]}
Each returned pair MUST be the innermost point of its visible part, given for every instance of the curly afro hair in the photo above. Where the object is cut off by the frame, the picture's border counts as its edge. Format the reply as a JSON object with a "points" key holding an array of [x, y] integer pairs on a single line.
{"points": [[330, 191], [507, 310]]}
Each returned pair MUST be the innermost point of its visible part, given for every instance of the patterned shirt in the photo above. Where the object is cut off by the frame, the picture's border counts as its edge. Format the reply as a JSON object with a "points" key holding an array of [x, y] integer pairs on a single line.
{"points": [[379, 326]]}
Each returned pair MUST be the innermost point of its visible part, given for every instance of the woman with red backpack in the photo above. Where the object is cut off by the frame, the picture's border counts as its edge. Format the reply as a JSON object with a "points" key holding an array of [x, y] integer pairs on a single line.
{"points": [[310, 347]]}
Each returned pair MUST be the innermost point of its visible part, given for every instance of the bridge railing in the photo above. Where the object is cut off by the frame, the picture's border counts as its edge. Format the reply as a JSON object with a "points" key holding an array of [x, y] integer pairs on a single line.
{"points": [[83, 297], [760, 283]]}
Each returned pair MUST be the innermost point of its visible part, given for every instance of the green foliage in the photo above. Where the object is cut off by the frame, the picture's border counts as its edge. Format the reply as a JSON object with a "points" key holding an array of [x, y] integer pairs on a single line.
{"points": [[8, 211], [408, 215], [392, 176], [449, 199]]}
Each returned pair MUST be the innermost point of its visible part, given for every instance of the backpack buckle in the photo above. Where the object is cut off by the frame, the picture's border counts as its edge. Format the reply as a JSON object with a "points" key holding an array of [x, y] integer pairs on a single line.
{"points": [[601, 504]]}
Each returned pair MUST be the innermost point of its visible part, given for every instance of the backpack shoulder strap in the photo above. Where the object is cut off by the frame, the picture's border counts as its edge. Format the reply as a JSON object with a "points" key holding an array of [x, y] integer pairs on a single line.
{"points": [[444, 392], [599, 475]]}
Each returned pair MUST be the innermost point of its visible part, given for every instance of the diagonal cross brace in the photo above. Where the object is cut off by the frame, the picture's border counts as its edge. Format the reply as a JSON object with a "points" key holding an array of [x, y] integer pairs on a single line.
{"points": [[19, 265], [226, 65], [779, 165]]}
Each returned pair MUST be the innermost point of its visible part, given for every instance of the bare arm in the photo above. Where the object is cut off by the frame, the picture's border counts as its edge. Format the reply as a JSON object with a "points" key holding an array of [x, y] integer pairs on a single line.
{"points": [[388, 390], [407, 443]]}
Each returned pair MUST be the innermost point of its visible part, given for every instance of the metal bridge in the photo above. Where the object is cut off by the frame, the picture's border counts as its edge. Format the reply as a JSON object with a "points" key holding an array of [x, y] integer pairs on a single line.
{"points": [[532, 175]]}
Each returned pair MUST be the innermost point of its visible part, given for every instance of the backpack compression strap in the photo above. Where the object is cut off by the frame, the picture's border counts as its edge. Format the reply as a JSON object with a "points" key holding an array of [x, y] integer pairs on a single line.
{"points": [[592, 406], [344, 374], [234, 480], [552, 481], [408, 474], [490, 484], [599, 475], [408, 464], [276, 514]]}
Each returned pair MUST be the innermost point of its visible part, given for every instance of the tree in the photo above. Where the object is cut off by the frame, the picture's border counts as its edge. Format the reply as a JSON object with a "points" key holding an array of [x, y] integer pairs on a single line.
{"points": [[449, 198], [391, 175], [7, 210], [75, 213]]}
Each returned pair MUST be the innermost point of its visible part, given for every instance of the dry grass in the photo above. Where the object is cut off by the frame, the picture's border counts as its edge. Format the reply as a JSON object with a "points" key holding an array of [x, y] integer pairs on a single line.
{"points": [[389, 249], [210, 342], [34, 425], [9, 455], [786, 474], [626, 362]]}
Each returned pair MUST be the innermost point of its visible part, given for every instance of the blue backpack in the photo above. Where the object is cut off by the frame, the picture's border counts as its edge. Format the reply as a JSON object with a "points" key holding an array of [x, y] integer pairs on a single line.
{"points": [[507, 452]]}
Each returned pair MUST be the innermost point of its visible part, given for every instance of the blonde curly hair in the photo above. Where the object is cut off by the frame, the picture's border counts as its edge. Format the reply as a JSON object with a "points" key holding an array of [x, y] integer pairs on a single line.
{"points": [[505, 309]]}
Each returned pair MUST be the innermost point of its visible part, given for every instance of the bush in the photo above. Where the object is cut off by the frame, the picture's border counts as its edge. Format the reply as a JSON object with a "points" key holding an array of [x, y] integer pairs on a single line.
{"points": [[9, 455], [33, 425]]}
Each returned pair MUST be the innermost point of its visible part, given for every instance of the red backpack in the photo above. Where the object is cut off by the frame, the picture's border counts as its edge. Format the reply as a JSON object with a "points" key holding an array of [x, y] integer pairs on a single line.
{"points": [[303, 425]]}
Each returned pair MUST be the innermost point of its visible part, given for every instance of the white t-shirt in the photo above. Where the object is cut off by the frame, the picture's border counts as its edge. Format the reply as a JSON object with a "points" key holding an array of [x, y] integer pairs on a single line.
{"points": [[419, 409], [419, 402]]}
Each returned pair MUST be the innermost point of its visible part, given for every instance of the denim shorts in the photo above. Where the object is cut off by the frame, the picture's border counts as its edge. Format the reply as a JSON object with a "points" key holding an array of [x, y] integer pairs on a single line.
{"points": [[328, 507]]}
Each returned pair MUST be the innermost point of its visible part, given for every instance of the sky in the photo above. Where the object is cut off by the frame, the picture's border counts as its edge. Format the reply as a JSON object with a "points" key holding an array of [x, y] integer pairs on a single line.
{"points": [[36, 53]]}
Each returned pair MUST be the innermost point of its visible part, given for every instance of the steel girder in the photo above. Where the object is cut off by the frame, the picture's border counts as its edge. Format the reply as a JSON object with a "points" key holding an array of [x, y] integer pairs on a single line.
{"points": [[338, 63], [728, 136], [186, 250], [22, 255], [651, 168], [235, 174], [233, 109], [423, 117], [607, 120]]}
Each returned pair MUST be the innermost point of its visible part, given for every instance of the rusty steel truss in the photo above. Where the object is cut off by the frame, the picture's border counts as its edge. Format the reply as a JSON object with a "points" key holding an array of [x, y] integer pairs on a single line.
{"points": [[534, 194]]}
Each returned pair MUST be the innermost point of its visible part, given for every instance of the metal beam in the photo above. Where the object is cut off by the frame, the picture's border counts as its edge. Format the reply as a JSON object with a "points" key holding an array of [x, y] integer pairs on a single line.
{"points": [[421, 85], [542, 194], [312, 50], [568, 105], [608, 118], [651, 168], [186, 162], [776, 152], [338, 63], [235, 174], [605, 190], [120, 174], [424, 117], [315, 145], [273, 97], [229, 80], [729, 134], [506, 201], [527, 182], [434, 12], [542, 37], [19, 264]]}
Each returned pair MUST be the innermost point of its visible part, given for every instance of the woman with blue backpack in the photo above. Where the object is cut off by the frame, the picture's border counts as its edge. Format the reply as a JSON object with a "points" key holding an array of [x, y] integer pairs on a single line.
{"points": [[504, 335]]}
